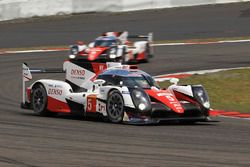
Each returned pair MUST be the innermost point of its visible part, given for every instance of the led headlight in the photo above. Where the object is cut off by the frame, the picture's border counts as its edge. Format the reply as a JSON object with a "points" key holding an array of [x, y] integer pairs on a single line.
{"points": [[201, 96], [112, 53], [141, 100], [142, 106], [112, 56], [72, 56]]}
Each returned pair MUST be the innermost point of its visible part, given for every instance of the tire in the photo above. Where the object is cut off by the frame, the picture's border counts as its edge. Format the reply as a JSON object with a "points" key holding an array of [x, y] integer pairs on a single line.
{"points": [[39, 100], [147, 53], [121, 59], [115, 107]]}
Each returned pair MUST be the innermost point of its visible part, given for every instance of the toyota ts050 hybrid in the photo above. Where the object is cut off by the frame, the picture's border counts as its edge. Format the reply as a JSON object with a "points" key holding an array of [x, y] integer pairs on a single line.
{"points": [[114, 47], [121, 93]]}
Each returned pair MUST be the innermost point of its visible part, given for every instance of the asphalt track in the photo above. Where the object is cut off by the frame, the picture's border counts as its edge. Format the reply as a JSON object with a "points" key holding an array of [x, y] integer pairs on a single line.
{"points": [[27, 140], [231, 20]]}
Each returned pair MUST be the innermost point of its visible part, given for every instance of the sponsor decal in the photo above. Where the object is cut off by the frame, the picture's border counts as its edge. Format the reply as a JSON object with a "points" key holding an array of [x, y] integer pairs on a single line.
{"points": [[101, 107], [52, 91], [125, 92], [102, 91], [58, 86], [77, 73], [172, 100], [168, 99], [54, 86]]}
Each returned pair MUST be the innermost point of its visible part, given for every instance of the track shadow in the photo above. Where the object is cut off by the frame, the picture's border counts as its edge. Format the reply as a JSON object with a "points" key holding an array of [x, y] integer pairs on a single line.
{"points": [[101, 119]]}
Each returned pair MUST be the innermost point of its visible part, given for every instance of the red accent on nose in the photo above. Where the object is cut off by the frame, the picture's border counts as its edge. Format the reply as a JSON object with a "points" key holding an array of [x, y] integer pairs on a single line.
{"points": [[167, 98]]}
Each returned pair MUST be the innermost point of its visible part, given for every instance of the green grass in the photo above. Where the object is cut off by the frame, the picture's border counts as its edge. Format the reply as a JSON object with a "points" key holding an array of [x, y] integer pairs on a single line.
{"points": [[227, 90]]}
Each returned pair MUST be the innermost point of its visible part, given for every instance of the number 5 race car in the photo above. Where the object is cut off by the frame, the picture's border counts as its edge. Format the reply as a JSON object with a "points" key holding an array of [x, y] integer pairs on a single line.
{"points": [[114, 47], [121, 93]]}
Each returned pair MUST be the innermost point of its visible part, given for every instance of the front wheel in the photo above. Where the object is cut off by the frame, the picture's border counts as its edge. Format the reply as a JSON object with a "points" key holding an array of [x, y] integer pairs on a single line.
{"points": [[115, 107], [39, 100]]}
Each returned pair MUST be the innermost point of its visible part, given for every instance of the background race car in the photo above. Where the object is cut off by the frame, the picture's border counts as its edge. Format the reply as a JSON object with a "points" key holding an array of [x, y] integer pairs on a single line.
{"points": [[118, 92], [116, 47]]}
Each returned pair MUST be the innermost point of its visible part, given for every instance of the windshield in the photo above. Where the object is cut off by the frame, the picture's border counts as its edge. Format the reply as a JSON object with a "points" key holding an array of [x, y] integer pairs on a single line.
{"points": [[141, 82], [104, 43]]}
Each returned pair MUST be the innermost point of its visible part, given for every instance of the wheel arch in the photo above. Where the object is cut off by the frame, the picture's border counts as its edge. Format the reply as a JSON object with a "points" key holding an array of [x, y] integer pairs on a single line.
{"points": [[110, 113], [36, 84], [112, 89]]}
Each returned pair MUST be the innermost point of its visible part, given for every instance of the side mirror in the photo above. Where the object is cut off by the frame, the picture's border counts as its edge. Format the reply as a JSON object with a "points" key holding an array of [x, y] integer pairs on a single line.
{"points": [[99, 82], [91, 45], [174, 81]]}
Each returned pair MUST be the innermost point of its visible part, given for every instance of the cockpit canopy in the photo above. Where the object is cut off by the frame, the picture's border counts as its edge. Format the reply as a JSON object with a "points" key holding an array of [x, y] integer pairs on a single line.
{"points": [[129, 78], [105, 42]]}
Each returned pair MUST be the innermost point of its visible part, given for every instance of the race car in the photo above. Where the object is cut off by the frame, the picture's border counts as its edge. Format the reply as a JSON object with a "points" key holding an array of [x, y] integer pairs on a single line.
{"points": [[120, 93], [114, 47]]}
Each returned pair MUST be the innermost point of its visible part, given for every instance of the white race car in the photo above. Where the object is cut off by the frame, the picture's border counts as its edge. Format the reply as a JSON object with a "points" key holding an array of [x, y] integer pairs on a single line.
{"points": [[114, 47], [121, 93]]}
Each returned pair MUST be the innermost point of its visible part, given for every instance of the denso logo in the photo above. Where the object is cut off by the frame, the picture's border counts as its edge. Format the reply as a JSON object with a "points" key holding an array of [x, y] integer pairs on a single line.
{"points": [[77, 72], [55, 92]]}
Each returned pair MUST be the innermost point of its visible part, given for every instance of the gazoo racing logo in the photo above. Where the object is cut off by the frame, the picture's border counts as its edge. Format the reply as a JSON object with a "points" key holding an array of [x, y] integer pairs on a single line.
{"points": [[77, 73]]}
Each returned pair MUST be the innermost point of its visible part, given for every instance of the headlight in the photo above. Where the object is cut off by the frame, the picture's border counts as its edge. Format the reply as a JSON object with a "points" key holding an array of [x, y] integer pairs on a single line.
{"points": [[112, 56], [72, 56], [141, 100], [201, 96], [142, 106], [112, 53]]}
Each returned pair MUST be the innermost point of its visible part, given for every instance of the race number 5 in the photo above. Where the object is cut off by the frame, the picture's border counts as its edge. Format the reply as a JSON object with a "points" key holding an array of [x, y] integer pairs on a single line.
{"points": [[91, 103]]}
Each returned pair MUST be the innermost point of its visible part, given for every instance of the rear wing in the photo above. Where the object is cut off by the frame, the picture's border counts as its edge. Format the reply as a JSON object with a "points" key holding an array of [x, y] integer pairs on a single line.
{"points": [[81, 74], [27, 75], [124, 36]]}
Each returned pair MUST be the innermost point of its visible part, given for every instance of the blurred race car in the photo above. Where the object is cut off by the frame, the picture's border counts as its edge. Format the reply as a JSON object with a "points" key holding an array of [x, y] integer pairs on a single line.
{"points": [[114, 47], [121, 93]]}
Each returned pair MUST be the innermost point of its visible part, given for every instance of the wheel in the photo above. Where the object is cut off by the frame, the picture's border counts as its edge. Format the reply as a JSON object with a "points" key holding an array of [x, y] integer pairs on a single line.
{"points": [[115, 107], [121, 59], [39, 100], [147, 53]]}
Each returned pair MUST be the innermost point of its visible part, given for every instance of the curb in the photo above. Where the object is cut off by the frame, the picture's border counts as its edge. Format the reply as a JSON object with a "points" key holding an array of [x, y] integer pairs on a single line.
{"points": [[232, 114], [213, 113], [164, 77]]}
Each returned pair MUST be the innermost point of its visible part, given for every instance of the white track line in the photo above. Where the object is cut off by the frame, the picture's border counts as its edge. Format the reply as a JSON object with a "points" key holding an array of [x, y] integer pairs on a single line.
{"points": [[202, 43], [33, 51], [161, 78], [162, 44]]}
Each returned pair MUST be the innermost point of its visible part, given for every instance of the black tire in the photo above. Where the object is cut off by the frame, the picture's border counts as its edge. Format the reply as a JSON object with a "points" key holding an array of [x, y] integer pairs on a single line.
{"points": [[121, 59], [115, 107], [39, 100], [147, 54]]}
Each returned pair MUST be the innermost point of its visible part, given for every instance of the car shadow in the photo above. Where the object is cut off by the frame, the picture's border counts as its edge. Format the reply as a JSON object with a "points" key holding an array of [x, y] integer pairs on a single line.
{"points": [[101, 119]]}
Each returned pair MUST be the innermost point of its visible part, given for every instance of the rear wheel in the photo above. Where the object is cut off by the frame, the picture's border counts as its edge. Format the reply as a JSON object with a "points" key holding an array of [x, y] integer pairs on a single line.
{"points": [[39, 100], [147, 54], [122, 58], [115, 107]]}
